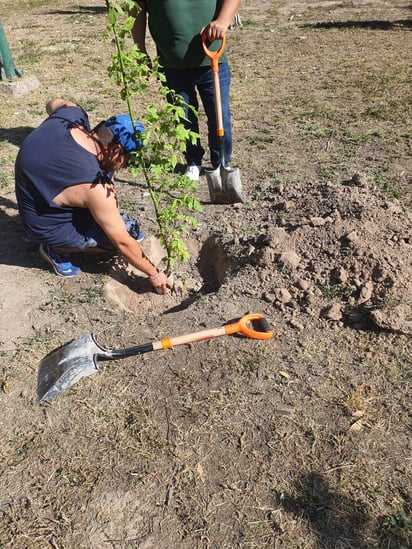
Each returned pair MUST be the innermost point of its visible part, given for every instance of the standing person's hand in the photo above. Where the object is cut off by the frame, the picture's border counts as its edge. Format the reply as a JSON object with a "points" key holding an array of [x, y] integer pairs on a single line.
{"points": [[214, 31]]}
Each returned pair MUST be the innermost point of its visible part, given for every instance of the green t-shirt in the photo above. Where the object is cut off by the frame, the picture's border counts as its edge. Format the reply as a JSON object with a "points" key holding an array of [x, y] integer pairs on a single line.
{"points": [[175, 26]]}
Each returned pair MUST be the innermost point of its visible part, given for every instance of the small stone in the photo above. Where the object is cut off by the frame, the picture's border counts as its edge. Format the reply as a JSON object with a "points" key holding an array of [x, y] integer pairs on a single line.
{"points": [[295, 324], [310, 298], [365, 292], [351, 237], [317, 221], [303, 284], [269, 297], [290, 259], [190, 283], [340, 275], [276, 237], [396, 319], [20, 86], [284, 206], [282, 295], [333, 312]]}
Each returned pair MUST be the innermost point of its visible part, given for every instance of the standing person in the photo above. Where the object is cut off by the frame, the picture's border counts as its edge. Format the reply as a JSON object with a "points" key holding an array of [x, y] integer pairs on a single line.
{"points": [[176, 27], [66, 193]]}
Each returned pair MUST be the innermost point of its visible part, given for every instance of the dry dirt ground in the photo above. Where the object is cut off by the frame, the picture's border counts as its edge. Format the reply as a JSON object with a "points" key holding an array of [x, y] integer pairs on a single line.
{"points": [[302, 441]]}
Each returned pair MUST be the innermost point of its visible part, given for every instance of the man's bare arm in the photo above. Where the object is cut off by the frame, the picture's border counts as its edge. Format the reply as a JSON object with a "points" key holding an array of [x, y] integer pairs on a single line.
{"points": [[217, 28], [139, 28]]}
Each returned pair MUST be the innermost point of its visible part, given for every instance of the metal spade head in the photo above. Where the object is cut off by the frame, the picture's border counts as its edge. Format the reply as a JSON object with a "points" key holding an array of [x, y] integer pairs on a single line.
{"points": [[225, 186], [66, 365]]}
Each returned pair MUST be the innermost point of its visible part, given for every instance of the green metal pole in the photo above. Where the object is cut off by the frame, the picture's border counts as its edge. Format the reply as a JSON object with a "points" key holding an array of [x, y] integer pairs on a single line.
{"points": [[8, 70]]}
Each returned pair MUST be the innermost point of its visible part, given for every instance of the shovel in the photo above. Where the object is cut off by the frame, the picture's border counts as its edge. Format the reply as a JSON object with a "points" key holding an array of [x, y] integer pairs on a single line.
{"points": [[68, 364], [225, 186]]}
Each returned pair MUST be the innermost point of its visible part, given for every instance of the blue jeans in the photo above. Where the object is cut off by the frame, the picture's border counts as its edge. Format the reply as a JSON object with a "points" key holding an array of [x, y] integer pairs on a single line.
{"points": [[185, 82]]}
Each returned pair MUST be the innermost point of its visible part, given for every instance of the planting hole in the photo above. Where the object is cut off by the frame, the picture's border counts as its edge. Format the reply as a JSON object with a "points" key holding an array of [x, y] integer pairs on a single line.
{"points": [[213, 266], [204, 273]]}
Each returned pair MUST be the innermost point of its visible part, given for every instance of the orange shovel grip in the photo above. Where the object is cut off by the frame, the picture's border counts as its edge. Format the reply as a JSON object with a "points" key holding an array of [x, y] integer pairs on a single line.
{"points": [[214, 56], [241, 327]]}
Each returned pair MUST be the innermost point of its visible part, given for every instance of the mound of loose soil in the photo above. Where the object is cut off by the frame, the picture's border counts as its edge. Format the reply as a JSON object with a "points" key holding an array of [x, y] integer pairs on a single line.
{"points": [[336, 254]]}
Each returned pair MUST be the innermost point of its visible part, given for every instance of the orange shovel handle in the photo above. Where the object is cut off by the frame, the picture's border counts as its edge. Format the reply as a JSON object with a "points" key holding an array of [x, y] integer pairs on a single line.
{"points": [[241, 326], [214, 56]]}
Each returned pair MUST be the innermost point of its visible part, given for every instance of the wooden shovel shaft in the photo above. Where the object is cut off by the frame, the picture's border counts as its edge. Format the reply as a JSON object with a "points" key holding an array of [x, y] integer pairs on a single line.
{"points": [[214, 57], [169, 342], [218, 105], [241, 326]]}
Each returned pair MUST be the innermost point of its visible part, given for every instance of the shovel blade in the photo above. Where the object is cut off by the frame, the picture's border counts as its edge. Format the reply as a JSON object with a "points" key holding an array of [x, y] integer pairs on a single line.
{"points": [[214, 183], [232, 185], [225, 186], [66, 365]]}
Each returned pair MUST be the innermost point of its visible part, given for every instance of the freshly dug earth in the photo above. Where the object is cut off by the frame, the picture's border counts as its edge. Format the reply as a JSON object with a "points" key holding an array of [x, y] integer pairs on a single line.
{"points": [[302, 441]]}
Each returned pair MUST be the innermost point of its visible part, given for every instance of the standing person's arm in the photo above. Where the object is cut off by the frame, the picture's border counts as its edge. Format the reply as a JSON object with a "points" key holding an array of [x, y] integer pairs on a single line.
{"points": [[139, 27], [217, 28]]}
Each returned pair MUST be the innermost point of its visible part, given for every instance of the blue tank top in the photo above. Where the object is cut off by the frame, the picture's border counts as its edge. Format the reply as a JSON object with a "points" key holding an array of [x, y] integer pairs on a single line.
{"points": [[49, 161]]}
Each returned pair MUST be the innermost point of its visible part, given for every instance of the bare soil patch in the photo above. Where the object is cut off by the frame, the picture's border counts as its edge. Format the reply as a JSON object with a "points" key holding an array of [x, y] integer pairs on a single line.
{"points": [[300, 441]]}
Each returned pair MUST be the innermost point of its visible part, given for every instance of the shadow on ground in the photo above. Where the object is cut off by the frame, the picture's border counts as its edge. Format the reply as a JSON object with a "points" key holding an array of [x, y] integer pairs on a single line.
{"points": [[332, 516], [15, 136], [15, 247], [371, 25], [96, 10]]}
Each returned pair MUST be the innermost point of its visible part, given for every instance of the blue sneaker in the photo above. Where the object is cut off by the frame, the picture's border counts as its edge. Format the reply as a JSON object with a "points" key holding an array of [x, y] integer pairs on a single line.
{"points": [[140, 236], [60, 262]]}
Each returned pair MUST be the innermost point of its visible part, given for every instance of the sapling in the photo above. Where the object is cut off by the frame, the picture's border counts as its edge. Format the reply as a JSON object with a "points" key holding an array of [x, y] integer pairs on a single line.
{"points": [[161, 145]]}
